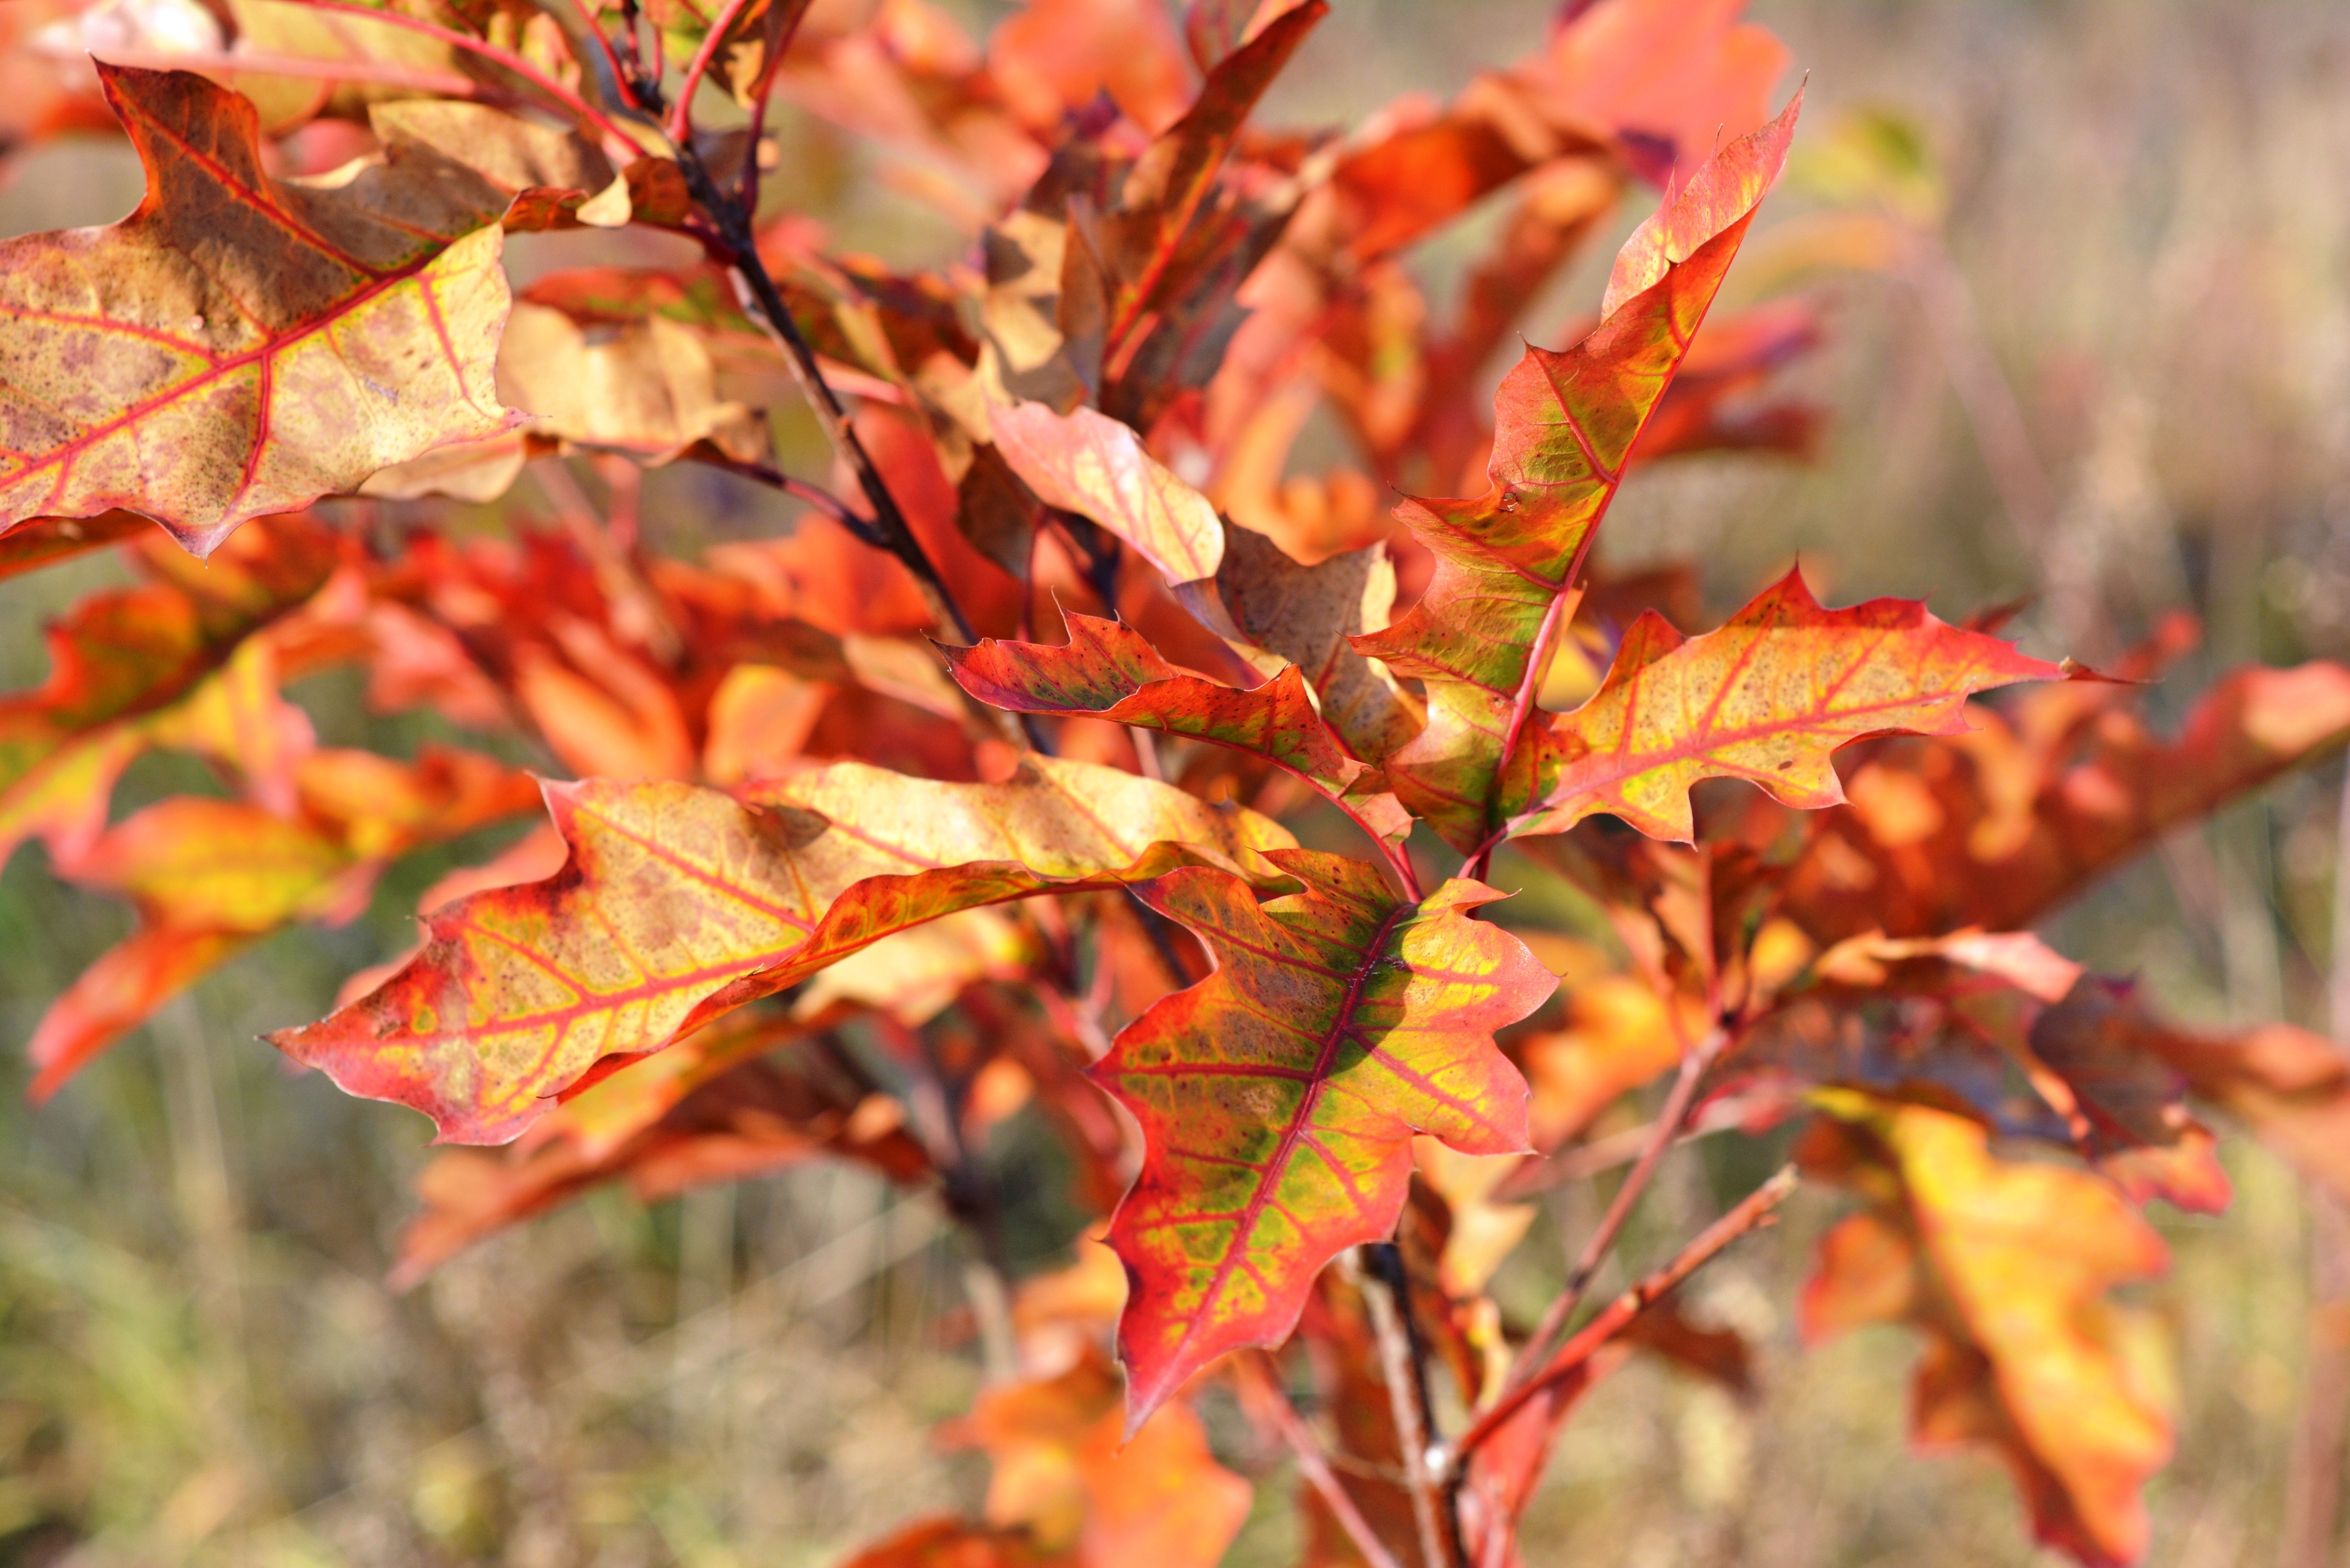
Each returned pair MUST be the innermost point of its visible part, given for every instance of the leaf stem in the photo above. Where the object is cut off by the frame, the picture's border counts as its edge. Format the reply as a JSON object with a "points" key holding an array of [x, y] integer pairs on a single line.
{"points": [[681, 117], [382, 73], [1753, 1212], [1662, 1134], [1261, 1388], [506, 59]]}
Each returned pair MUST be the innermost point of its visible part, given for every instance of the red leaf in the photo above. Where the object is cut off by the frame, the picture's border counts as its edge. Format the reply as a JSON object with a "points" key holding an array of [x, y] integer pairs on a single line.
{"points": [[1278, 1097]]}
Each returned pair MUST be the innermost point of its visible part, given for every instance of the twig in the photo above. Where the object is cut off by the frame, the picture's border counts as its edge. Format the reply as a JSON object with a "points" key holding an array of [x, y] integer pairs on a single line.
{"points": [[1755, 1210], [764, 304], [504, 58], [680, 119], [821, 499], [1661, 1136], [1261, 1390], [611, 61], [382, 73], [1439, 1546]]}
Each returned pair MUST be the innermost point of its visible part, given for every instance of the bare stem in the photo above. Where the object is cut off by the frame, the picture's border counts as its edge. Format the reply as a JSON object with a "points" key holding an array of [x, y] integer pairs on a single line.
{"points": [[1261, 1388], [1755, 1210], [1661, 1136], [1399, 1369]]}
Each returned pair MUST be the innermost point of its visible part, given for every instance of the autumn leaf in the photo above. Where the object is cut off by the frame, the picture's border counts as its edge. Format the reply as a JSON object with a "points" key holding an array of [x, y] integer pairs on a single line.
{"points": [[1768, 699], [1066, 1469], [681, 903], [2006, 1030], [2004, 1268], [1107, 670], [1997, 827], [1168, 188], [950, 1542], [1086, 462], [2289, 1086], [1278, 1097], [1567, 423], [56, 779], [1301, 615], [240, 344], [1618, 1035], [47, 541]]}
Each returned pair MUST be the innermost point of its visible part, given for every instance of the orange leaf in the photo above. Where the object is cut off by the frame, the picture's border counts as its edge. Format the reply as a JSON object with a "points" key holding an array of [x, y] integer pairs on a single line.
{"points": [[720, 1113], [1065, 1467], [238, 345], [679, 903], [1278, 1097], [1768, 699], [1996, 827], [2004, 1268], [1107, 670], [1087, 463], [211, 878]]}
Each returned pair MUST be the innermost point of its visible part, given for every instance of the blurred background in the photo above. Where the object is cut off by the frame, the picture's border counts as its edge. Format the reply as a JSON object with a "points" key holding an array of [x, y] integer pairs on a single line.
{"points": [[2108, 364]]}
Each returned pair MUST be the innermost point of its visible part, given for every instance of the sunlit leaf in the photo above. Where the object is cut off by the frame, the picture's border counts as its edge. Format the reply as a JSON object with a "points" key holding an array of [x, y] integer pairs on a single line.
{"points": [[679, 903], [1768, 699], [240, 344], [1567, 423], [1086, 462], [1278, 1097]]}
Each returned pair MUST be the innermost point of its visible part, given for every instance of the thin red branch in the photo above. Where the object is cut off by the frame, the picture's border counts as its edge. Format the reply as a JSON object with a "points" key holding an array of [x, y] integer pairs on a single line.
{"points": [[681, 117], [504, 58], [604, 47], [1753, 1212], [1261, 1390], [1662, 1135]]}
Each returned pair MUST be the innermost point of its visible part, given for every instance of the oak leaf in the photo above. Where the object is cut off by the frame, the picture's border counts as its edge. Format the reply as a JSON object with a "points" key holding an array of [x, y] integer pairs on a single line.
{"points": [[734, 1112], [1768, 697], [679, 903], [1107, 670], [242, 345], [1567, 423], [1067, 1469], [1997, 827], [1086, 462], [2004, 1268], [212, 878], [1278, 1097]]}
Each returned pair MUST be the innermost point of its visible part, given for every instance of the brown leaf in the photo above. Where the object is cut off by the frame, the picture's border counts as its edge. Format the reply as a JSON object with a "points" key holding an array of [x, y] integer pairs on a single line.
{"points": [[239, 345]]}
